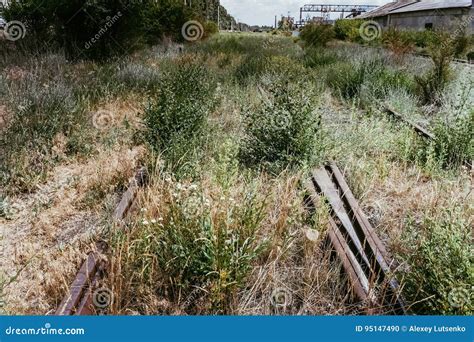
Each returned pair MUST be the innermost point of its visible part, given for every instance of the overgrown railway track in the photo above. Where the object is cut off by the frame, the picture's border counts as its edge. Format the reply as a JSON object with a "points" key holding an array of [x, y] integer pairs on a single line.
{"points": [[353, 239], [355, 242], [85, 296], [416, 127], [423, 132]]}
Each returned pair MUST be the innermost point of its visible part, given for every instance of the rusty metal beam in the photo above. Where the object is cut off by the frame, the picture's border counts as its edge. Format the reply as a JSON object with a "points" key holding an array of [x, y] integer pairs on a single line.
{"points": [[79, 300]]}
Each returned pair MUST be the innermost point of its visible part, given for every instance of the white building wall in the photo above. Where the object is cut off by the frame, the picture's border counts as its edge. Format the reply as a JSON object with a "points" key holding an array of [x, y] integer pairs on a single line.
{"points": [[446, 19]]}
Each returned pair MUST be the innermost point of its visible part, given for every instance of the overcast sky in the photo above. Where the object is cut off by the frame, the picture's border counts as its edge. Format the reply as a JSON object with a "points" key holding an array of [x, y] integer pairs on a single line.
{"points": [[262, 12]]}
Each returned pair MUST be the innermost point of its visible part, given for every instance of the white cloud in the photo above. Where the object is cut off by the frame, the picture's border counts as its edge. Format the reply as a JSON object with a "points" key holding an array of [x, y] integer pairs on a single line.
{"points": [[262, 12]]}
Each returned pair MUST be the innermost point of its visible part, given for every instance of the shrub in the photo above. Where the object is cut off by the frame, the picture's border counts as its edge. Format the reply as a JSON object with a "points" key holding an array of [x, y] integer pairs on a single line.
{"points": [[439, 276], [346, 29], [176, 120], [163, 18], [398, 42], [281, 130], [197, 248], [251, 67], [435, 80], [460, 43], [470, 56], [424, 38], [454, 143], [346, 79], [210, 29], [317, 35]]}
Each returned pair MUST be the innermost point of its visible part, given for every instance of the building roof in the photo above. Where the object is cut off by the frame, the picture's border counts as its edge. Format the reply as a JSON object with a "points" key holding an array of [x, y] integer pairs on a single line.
{"points": [[427, 5], [386, 9], [403, 6]]}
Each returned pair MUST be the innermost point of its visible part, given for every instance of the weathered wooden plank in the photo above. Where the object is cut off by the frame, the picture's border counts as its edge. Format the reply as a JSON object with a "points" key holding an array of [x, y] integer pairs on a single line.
{"points": [[372, 243], [328, 189], [357, 278]]}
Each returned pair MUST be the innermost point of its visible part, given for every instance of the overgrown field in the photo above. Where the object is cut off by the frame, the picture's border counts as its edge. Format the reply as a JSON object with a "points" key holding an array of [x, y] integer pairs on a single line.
{"points": [[229, 129]]}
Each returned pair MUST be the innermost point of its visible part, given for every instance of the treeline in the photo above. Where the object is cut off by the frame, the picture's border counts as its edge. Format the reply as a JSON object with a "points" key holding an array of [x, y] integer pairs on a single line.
{"points": [[102, 28]]}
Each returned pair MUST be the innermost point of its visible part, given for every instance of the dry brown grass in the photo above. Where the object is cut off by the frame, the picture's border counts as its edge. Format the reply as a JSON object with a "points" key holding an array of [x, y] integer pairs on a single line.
{"points": [[294, 275], [47, 232]]}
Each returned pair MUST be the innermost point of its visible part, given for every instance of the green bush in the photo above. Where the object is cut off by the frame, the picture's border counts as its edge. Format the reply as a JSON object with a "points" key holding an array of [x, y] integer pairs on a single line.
{"points": [[348, 80], [163, 18], [439, 277], [348, 29], [423, 39], [251, 67], [317, 35], [210, 29], [281, 130], [432, 83], [470, 56], [461, 44], [176, 120], [197, 246], [454, 143], [397, 41]]}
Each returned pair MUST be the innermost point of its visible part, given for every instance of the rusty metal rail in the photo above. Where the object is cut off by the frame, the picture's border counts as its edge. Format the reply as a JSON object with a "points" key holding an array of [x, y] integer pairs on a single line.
{"points": [[455, 60], [356, 243], [420, 130], [80, 298]]}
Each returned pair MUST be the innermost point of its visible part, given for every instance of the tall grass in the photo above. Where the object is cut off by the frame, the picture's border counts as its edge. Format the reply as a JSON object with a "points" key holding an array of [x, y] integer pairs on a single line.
{"points": [[193, 244], [281, 131], [176, 119], [439, 276]]}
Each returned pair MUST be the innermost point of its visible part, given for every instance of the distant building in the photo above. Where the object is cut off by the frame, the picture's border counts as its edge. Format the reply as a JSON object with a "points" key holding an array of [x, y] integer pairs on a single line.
{"points": [[425, 14]]}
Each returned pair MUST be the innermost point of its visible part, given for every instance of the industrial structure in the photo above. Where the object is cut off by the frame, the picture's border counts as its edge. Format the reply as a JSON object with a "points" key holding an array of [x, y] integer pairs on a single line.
{"points": [[324, 11], [425, 14]]}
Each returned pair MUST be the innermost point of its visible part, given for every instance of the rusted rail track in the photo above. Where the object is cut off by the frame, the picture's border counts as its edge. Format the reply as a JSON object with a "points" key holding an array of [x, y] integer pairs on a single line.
{"points": [[81, 298], [420, 130], [356, 243], [455, 60]]}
